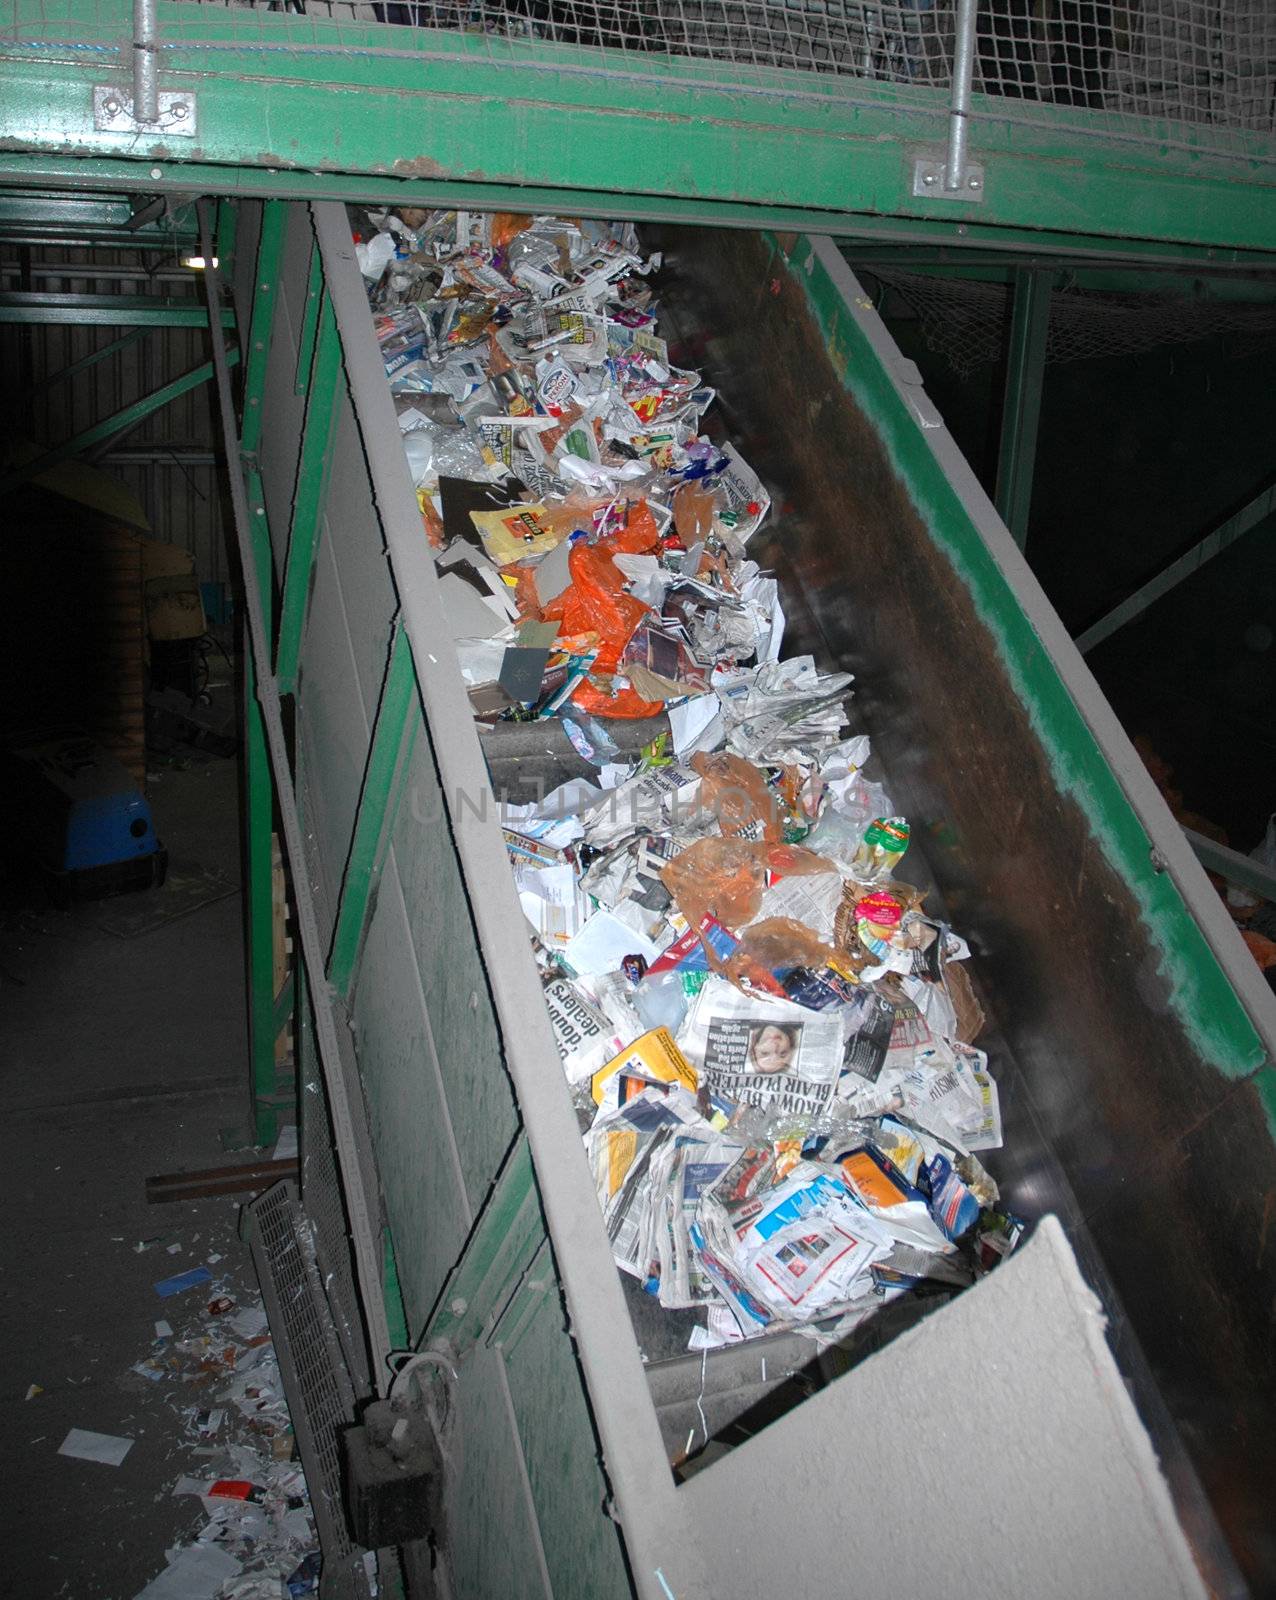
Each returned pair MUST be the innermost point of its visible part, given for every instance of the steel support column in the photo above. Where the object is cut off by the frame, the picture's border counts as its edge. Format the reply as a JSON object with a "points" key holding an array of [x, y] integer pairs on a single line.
{"points": [[1021, 411], [259, 808], [274, 217], [393, 736]]}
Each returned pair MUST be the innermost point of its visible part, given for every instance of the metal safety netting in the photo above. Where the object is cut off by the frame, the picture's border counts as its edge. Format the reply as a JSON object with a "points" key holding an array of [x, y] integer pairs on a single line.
{"points": [[964, 320]]}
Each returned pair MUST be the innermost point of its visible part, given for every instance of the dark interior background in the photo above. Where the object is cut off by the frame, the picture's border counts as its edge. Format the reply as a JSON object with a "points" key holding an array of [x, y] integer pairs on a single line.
{"points": [[1138, 457]]}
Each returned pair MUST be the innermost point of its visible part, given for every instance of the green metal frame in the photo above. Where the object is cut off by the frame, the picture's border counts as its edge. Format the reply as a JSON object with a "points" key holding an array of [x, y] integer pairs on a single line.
{"points": [[507, 1237], [75, 368], [310, 496], [105, 310], [106, 175], [264, 1015], [1218, 539], [58, 218], [121, 420], [393, 736], [502, 122], [1021, 411]]}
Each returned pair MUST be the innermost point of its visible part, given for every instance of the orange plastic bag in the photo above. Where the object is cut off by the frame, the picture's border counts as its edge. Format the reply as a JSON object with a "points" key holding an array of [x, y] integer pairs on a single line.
{"points": [[777, 944], [595, 602], [507, 225], [717, 877], [736, 792]]}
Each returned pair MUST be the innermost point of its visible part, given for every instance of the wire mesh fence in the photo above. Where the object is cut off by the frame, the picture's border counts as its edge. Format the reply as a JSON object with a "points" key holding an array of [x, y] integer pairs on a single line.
{"points": [[1186, 74], [965, 320]]}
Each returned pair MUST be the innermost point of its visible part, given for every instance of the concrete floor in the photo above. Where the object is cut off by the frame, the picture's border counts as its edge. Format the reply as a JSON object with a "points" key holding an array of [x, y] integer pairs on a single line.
{"points": [[121, 1058]]}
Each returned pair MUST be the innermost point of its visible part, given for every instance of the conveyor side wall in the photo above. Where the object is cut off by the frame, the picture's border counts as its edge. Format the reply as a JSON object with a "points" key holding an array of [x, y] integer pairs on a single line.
{"points": [[1142, 1105]]}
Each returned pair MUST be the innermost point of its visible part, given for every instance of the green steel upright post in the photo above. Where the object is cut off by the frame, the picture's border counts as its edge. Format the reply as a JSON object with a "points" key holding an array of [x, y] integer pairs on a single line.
{"points": [[259, 794], [1021, 414]]}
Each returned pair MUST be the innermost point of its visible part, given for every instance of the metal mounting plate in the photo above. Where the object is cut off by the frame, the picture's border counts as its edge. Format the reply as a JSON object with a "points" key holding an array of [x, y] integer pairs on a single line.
{"points": [[928, 181], [113, 113]]}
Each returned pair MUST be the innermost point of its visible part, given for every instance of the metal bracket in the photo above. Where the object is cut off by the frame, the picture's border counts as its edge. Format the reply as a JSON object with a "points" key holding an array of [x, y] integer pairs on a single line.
{"points": [[912, 389], [928, 181], [113, 112]]}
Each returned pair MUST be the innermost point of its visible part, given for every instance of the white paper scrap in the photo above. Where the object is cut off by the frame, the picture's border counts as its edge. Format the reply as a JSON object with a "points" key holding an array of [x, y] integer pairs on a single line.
{"points": [[285, 1146], [603, 943], [196, 1573], [85, 1445]]}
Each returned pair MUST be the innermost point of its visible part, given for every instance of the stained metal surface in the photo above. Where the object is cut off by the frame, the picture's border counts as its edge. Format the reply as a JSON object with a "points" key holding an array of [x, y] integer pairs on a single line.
{"points": [[1126, 1112]]}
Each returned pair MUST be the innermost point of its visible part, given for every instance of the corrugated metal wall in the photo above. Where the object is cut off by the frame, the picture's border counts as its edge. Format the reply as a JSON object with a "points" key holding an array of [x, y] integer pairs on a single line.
{"points": [[170, 461]]}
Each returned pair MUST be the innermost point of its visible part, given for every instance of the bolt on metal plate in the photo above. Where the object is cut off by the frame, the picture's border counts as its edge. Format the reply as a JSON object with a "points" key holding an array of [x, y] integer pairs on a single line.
{"points": [[928, 181], [113, 113]]}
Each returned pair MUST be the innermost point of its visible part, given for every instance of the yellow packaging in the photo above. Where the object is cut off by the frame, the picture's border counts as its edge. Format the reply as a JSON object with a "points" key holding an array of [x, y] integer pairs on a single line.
{"points": [[515, 533], [654, 1055]]}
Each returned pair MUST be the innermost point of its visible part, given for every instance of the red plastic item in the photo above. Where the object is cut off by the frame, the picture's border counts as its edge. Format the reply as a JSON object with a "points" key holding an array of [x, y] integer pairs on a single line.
{"points": [[595, 602]]}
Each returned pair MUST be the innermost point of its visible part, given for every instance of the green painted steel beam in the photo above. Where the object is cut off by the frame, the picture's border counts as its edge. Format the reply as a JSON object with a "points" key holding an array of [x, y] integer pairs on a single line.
{"points": [[74, 369], [1218, 539], [396, 1315], [284, 92], [309, 322], [502, 1245], [1021, 410], [393, 736], [309, 496], [260, 323], [104, 310], [110, 174], [120, 422], [256, 324]]}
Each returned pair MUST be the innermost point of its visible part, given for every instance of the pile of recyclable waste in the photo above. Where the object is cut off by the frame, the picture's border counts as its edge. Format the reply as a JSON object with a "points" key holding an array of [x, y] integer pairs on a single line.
{"points": [[769, 1038]]}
